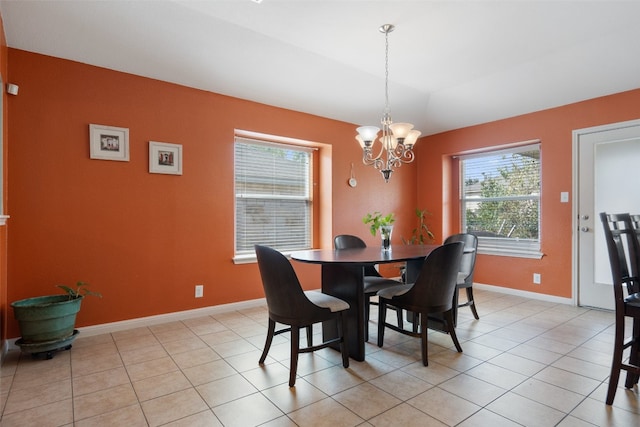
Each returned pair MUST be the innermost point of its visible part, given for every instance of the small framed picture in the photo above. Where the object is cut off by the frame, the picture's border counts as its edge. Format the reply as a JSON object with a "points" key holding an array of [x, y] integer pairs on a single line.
{"points": [[165, 158], [108, 143]]}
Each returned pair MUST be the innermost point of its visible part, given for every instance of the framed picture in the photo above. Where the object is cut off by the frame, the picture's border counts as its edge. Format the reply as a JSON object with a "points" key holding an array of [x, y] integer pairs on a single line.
{"points": [[165, 158], [108, 143]]}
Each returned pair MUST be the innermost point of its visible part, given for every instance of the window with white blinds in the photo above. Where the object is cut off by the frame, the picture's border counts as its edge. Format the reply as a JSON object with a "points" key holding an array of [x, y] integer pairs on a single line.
{"points": [[273, 196], [501, 200]]}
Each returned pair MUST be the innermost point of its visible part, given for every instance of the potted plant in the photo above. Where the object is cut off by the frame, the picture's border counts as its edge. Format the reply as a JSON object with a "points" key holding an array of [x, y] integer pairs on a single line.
{"points": [[47, 322], [384, 224], [421, 234]]}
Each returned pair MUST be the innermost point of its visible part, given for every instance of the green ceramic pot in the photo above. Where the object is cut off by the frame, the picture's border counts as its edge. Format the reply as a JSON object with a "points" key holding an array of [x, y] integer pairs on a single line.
{"points": [[46, 319]]}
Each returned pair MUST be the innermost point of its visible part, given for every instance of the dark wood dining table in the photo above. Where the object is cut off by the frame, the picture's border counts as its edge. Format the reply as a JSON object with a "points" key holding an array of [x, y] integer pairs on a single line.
{"points": [[343, 277]]}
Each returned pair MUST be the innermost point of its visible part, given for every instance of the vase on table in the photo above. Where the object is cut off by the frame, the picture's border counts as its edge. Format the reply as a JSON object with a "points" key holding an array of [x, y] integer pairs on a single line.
{"points": [[385, 235]]}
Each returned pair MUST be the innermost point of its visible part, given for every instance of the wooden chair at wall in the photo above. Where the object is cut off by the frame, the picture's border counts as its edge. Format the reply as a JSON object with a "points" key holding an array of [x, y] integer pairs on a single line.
{"points": [[431, 293], [373, 281], [467, 267], [623, 247], [290, 305]]}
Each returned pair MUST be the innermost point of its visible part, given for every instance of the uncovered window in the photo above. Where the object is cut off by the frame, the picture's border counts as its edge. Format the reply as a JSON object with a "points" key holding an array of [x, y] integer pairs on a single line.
{"points": [[501, 200], [273, 196]]}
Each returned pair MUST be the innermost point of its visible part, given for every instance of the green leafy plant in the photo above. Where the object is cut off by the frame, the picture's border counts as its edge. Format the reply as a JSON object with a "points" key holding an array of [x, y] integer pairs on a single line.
{"points": [[81, 290], [421, 234], [376, 220]]}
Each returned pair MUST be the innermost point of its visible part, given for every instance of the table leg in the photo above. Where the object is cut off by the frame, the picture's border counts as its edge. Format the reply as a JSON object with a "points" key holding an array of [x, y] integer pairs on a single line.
{"points": [[345, 281]]}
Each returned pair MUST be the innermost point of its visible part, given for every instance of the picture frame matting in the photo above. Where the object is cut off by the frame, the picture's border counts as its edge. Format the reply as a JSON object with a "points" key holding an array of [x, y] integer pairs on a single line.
{"points": [[108, 143], [165, 158]]}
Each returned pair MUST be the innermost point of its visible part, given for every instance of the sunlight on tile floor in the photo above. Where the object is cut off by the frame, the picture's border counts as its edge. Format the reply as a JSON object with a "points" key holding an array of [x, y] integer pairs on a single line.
{"points": [[525, 363]]}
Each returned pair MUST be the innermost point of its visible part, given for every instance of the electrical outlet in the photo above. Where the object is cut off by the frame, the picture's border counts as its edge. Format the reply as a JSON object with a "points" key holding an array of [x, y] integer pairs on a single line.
{"points": [[199, 291], [536, 278]]}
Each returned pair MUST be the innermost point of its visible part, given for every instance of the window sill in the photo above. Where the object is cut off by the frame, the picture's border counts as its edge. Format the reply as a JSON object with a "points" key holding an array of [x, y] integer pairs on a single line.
{"points": [[245, 259], [511, 253], [3, 219], [251, 258]]}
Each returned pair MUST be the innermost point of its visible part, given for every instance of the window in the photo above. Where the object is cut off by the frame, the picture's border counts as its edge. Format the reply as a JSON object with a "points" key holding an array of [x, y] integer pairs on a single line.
{"points": [[273, 196], [501, 200]]}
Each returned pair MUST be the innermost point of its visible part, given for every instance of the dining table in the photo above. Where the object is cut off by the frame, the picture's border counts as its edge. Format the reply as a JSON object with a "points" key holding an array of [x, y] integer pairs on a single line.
{"points": [[343, 277]]}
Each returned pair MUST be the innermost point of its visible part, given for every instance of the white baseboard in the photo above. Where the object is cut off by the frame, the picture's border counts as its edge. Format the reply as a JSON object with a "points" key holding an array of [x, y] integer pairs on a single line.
{"points": [[525, 294], [107, 328]]}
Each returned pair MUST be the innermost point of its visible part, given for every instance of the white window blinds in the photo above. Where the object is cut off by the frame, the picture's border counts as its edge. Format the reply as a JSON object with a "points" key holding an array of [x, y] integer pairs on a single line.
{"points": [[273, 197], [501, 200]]}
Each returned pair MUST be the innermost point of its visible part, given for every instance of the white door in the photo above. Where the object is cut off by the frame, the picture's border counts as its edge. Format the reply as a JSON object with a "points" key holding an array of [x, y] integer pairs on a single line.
{"points": [[608, 169]]}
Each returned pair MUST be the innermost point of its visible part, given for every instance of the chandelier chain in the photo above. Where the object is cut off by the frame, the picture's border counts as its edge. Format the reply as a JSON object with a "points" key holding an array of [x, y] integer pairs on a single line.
{"points": [[386, 73]]}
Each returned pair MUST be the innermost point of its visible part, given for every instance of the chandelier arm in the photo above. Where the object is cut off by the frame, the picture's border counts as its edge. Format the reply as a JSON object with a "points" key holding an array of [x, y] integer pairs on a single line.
{"points": [[367, 155], [409, 156], [404, 153]]}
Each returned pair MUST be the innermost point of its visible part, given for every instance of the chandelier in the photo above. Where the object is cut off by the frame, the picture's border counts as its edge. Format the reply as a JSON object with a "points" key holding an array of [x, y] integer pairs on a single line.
{"points": [[397, 140]]}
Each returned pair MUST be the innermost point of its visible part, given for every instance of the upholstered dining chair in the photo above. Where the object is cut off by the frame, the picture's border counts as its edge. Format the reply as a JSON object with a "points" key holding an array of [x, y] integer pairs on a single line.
{"points": [[431, 293], [467, 267], [289, 305], [373, 281], [624, 258]]}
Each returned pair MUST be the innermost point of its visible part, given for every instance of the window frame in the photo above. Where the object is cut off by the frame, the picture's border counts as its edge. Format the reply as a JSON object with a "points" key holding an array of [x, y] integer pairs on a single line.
{"points": [[241, 257], [504, 246]]}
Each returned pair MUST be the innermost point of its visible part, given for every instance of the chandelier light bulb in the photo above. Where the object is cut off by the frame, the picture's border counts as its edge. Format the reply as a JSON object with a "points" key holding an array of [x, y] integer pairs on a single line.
{"points": [[411, 139], [401, 130], [368, 133]]}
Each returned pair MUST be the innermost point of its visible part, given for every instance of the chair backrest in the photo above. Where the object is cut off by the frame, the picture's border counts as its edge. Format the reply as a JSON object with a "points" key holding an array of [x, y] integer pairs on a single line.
{"points": [[436, 283], [348, 241], [624, 252], [468, 262], [635, 223], [285, 297]]}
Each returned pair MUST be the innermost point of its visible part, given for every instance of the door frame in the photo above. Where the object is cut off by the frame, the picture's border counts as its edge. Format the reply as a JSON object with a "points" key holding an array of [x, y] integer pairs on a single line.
{"points": [[576, 134]]}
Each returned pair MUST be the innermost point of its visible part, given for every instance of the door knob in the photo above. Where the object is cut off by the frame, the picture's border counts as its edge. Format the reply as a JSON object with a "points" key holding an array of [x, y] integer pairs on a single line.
{"points": [[584, 217], [585, 229]]}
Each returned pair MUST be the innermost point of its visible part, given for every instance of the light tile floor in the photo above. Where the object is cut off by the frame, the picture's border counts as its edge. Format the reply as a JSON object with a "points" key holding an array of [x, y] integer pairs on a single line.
{"points": [[525, 362]]}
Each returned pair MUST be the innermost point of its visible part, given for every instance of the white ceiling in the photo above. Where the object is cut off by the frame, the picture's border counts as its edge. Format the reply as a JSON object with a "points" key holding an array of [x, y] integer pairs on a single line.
{"points": [[452, 63]]}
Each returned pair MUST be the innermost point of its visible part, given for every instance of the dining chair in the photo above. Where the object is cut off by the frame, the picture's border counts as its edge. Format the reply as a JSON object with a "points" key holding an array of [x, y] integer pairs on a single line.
{"points": [[623, 248], [289, 305], [467, 267], [431, 293], [373, 280]]}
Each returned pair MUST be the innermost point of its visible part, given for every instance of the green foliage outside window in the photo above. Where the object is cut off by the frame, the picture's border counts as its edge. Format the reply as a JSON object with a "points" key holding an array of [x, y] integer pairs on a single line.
{"points": [[504, 201]]}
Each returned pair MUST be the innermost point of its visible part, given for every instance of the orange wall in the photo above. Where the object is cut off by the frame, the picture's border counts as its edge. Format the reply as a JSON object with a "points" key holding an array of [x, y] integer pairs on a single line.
{"points": [[554, 128], [145, 240]]}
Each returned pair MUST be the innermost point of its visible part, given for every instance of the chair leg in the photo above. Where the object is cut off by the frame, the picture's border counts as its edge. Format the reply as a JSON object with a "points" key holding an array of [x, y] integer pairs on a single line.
{"points": [[382, 318], [295, 348], [342, 333], [424, 334], [309, 335], [267, 345], [616, 363], [399, 316], [448, 316], [367, 313], [416, 322], [472, 306], [634, 356]]}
